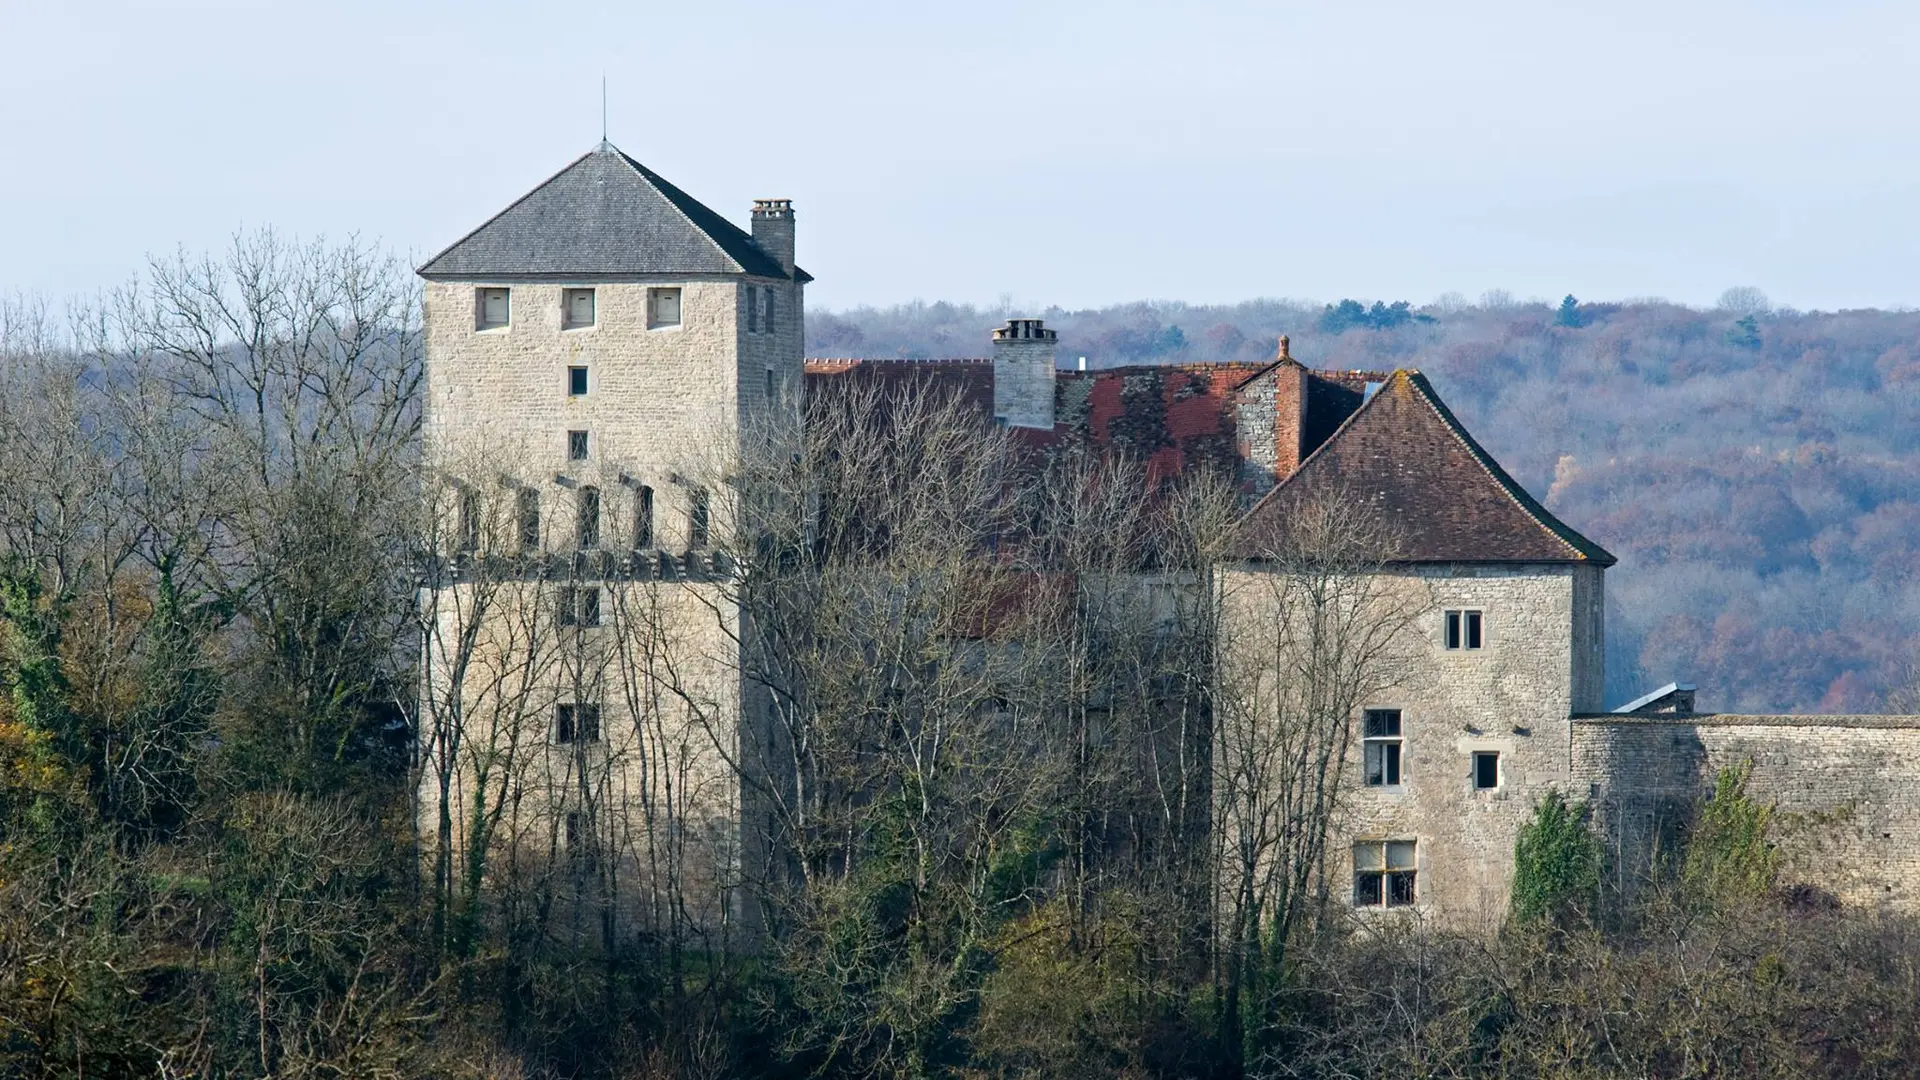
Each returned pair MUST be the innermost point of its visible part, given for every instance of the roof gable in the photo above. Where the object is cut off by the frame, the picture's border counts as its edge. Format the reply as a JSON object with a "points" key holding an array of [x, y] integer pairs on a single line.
{"points": [[1405, 453], [604, 215]]}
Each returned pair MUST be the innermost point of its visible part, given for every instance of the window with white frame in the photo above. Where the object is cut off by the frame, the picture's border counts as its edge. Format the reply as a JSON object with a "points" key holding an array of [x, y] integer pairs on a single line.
{"points": [[1381, 741], [1384, 872], [576, 308], [490, 309], [1466, 629], [663, 308]]}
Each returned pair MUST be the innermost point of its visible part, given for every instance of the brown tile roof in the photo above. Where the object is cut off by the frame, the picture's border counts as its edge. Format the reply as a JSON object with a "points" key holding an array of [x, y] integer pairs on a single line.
{"points": [[1408, 457]]}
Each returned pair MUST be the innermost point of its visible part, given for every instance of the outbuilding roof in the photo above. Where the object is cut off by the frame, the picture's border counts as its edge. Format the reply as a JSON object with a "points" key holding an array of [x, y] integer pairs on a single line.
{"points": [[1406, 458]]}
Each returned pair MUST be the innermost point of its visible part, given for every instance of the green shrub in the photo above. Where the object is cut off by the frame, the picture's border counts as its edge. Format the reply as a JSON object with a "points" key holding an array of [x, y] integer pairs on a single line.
{"points": [[1556, 863]]}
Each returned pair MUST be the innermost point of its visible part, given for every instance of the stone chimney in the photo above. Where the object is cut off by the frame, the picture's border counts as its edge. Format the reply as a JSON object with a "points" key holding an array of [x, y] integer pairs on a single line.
{"points": [[1023, 373], [773, 229]]}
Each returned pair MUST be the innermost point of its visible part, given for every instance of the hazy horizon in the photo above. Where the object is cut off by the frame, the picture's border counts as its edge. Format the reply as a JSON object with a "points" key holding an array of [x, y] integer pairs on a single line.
{"points": [[1210, 155]]}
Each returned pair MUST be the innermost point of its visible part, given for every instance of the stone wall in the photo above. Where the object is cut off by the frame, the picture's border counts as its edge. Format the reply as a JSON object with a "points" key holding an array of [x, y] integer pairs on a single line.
{"points": [[662, 405], [1844, 785], [645, 817], [1513, 698]]}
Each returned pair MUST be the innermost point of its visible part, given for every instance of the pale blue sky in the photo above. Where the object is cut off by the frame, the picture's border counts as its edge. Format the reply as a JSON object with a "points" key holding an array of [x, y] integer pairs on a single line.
{"points": [[1076, 154]]}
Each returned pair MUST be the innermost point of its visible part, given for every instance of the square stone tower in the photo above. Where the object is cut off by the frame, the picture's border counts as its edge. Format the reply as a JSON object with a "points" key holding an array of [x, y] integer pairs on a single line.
{"points": [[594, 353]]}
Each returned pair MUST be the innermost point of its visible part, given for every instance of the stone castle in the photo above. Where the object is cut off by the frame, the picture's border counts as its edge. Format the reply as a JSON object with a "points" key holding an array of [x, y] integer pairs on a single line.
{"points": [[595, 342]]}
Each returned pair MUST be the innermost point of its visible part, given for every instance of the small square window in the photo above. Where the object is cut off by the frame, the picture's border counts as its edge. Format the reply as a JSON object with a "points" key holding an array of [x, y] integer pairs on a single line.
{"points": [[576, 446], [490, 309], [1486, 770], [1465, 629], [577, 605], [663, 308], [576, 308], [576, 722], [576, 382], [1384, 872]]}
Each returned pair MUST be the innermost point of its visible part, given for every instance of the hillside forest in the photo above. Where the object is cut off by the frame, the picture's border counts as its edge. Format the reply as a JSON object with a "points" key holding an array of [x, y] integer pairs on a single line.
{"points": [[1755, 469]]}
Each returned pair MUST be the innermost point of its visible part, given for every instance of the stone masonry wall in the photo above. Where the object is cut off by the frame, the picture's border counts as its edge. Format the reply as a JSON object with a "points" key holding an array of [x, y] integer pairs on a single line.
{"points": [[1513, 697], [1844, 785]]}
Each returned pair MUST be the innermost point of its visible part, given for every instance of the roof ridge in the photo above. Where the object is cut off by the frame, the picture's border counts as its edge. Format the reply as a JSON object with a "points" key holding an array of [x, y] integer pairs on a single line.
{"points": [[1538, 513], [505, 210], [668, 191]]}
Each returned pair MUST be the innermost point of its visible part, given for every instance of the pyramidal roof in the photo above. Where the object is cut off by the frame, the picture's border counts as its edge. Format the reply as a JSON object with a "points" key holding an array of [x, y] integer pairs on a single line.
{"points": [[1406, 458], [605, 215]]}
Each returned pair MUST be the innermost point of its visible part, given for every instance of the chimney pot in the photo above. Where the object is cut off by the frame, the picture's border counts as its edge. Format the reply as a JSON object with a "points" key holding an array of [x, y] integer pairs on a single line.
{"points": [[1283, 349], [1023, 363], [773, 229]]}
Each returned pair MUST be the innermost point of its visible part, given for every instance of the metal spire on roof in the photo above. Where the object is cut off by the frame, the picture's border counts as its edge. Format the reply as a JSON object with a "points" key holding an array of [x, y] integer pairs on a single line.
{"points": [[605, 146]]}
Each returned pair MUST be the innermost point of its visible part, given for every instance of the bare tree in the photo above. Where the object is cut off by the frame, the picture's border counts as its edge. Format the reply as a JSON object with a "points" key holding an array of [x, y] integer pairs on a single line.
{"points": [[1310, 629]]}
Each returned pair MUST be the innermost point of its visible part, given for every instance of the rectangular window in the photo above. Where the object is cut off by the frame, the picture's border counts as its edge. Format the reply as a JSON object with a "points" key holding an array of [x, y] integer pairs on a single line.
{"points": [[768, 322], [576, 382], [769, 384], [753, 309], [576, 308], [529, 500], [1382, 747], [576, 446], [643, 518], [587, 503], [576, 722], [490, 309], [1486, 770], [1465, 629], [1383, 873], [469, 519], [663, 308], [577, 605], [699, 513]]}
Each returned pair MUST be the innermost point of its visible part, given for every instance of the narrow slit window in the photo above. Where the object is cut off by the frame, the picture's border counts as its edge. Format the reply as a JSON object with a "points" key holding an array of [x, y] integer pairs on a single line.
{"points": [[699, 518], [589, 523], [1382, 747], [529, 506], [753, 309], [576, 382], [576, 446], [469, 519], [643, 518], [767, 324], [770, 384], [1486, 770]]}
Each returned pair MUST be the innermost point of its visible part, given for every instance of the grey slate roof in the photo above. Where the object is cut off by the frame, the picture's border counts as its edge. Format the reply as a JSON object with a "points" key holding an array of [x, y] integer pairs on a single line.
{"points": [[605, 215]]}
